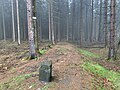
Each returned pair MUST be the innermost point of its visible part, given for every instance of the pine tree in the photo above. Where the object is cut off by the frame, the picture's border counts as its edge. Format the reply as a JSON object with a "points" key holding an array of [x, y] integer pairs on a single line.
{"points": [[30, 30], [111, 53]]}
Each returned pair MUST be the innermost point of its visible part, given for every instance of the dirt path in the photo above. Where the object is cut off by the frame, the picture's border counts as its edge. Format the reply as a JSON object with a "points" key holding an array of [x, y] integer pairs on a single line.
{"points": [[67, 71]]}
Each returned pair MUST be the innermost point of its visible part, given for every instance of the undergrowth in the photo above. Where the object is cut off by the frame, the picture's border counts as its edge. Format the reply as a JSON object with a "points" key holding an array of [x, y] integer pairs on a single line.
{"points": [[47, 86], [89, 54], [42, 52], [14, 82], [100, 71]]}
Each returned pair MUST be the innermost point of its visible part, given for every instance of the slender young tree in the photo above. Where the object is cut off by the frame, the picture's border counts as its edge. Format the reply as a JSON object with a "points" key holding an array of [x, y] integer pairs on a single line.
{"points": [[81, 20], [59, 21], [73, 19], [100, 20], [49, 13], [18, 22], [30, 30], [58, 30], [105, 22], [86, 19], [3, 19], [52, 23], [111, 54], [67, 20], [91, 32], [13, 24]]}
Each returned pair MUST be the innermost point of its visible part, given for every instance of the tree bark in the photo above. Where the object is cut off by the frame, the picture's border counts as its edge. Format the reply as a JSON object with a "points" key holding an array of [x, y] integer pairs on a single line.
{"points": [[13, 24], [100, 19], [58, 31], [35, 24], [86, 18], [49, 13], [3, 19], [105, 23], [52, 24], [18, 22], [67, 20], [30, 30], [111, 54], [91, 32], [81, 20]]}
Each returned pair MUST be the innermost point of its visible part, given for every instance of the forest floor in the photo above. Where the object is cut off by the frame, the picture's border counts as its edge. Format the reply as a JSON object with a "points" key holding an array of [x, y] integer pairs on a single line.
{"points": [[73, 68]]}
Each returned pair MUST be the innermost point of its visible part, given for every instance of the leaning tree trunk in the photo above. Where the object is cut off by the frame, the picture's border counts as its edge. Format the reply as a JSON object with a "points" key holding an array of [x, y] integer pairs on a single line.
{"points": [[30, 30], [111, 54], [18, 22]]}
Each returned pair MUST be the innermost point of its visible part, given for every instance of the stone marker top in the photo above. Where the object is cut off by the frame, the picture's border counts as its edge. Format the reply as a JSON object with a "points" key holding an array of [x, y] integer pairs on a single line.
{"points": [[46, 63]]}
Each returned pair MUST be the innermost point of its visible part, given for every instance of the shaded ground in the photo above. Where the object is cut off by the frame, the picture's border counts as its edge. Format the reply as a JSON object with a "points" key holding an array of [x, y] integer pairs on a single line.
{"points": [[18, 73]]}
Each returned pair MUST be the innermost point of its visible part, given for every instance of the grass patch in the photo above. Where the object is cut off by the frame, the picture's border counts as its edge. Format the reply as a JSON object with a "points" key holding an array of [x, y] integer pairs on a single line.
{"points": [[47, 86], [89, 54], [113, 77], [42, 52], [14, 82], [45, 49]]}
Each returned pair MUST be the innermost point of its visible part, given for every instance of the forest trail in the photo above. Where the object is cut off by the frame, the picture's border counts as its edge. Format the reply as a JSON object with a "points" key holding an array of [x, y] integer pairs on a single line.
{"points": [[67, 71], [73, 68]]}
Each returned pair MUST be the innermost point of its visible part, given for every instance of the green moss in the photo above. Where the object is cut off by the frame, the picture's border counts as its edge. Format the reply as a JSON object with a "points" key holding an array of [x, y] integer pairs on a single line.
{"points": [[14, 82], [21, 78], [42, 52], [47, 86], [102, 72], [89, 54]]}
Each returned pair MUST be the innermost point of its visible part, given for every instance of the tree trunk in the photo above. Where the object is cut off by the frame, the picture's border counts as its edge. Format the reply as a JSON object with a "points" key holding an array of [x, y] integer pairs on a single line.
{"points": [[58, 31], [81, 20], [35, 24], [13, 24], [73, 20], [30, 30], [91, 32], [111, 54], [3, 18], [18, 23], [49, 13], [105, 23], [86, 19], [52, 24], [100, 19], [67, 21]]}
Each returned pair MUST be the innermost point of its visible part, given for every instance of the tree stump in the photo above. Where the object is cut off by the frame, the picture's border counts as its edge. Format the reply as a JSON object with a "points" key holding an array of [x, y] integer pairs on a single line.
{"points": [[45, 71]]}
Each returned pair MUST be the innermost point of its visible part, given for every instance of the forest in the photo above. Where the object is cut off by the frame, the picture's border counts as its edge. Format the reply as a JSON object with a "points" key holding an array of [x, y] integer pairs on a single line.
{"points": [[59, 45]]}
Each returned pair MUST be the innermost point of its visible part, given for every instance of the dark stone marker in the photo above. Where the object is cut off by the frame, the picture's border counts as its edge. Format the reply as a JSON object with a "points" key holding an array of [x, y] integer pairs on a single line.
{"points": [[45, 71]]}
